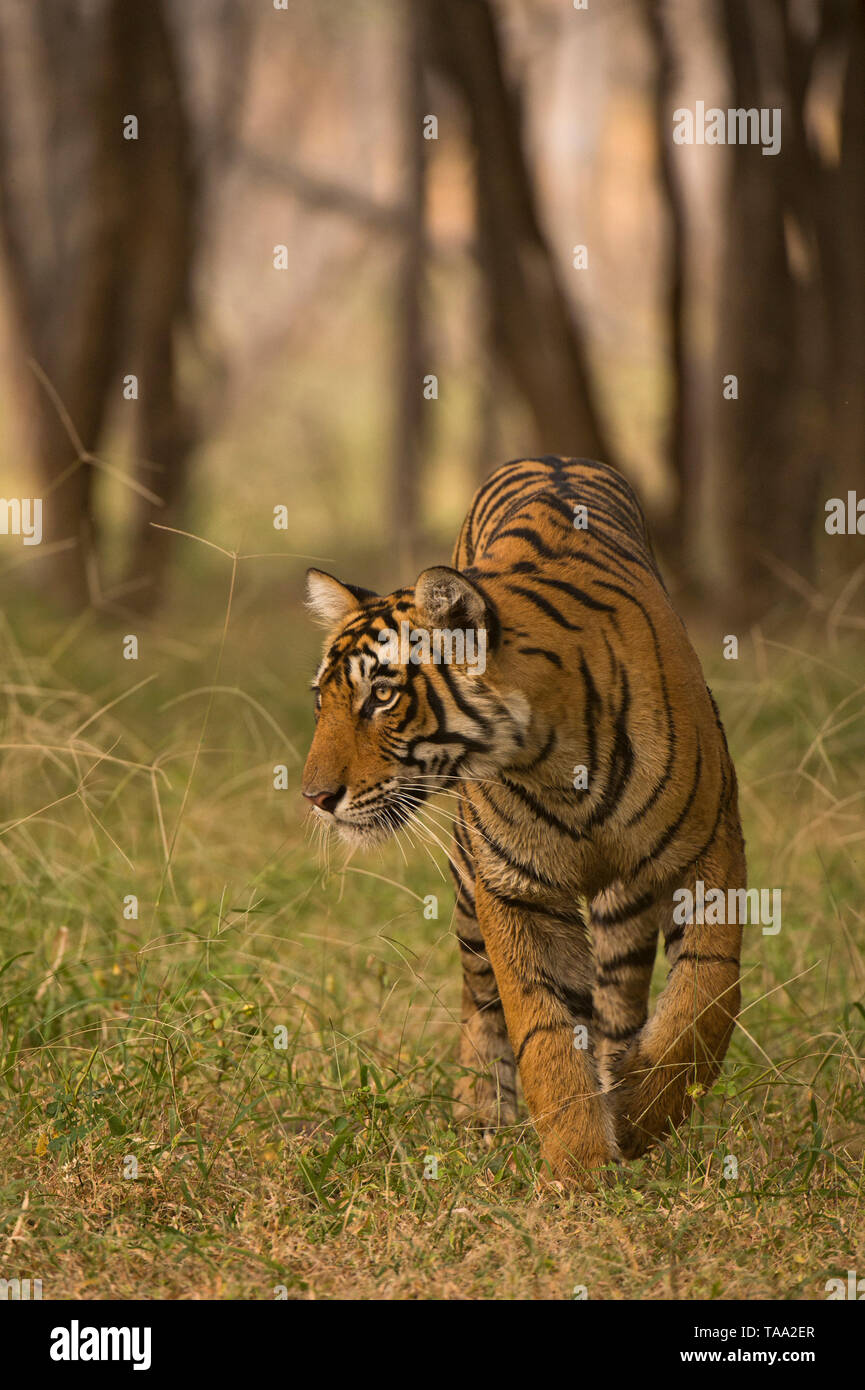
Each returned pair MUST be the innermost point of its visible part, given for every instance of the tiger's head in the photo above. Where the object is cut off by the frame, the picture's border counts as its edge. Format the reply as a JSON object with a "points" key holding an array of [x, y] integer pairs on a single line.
{"points": [[405, 698]]}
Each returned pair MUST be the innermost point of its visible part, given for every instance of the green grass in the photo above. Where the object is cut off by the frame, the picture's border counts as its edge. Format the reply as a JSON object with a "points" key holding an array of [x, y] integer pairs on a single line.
{"points": [[150, 1041]]}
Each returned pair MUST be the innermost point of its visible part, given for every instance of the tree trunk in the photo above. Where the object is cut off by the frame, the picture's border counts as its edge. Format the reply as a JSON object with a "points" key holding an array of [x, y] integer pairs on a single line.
{"points": [[673, 530], [411, 363], [772, 439], [62, 224], [162, 213], [841, 235], [97, 238], [533, 327]]}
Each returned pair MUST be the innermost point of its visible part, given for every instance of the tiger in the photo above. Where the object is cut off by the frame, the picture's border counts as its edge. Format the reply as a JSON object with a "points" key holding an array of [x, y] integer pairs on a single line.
{"points": [[589, 781]]}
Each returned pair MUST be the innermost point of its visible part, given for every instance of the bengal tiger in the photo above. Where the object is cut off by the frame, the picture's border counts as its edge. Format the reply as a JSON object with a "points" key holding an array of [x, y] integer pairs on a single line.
{"points": [[589, 779]]}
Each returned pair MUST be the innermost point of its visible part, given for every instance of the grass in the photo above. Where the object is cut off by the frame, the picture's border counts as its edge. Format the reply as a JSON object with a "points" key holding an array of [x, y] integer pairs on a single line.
{"points": [[244, 1091]]}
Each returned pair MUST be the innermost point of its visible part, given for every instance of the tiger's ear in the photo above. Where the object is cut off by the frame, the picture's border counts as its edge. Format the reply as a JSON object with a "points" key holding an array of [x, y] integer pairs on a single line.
{"points": [[445, 598], [329, 600]]}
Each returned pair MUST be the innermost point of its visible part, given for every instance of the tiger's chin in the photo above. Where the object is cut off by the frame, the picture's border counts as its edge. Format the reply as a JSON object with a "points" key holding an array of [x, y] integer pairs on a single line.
{"points": [[361, 836], [379, 826]]}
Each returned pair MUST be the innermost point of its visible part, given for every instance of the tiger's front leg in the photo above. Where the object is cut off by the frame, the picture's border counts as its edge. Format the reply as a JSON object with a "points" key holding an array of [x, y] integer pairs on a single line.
{"points": [[544, 971], [486, 1093]]}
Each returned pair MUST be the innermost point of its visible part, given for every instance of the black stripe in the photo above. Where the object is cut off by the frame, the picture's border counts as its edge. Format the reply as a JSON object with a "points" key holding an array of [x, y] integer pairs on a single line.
{"points": [[545, 607], [542, 651], [639, 957], [579, 594], [490, 843], [672, 830], [622, 914], [541, 757], [621, 764], [712, 960], [534, 539], [617, 1034], [524, 905], [541, 811], [592, 705], [533, 1032]]}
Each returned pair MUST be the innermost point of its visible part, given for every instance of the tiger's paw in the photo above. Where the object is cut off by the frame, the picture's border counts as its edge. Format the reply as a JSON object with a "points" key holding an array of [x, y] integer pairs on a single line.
{"points": [[577, 1162], [485, 1103]]}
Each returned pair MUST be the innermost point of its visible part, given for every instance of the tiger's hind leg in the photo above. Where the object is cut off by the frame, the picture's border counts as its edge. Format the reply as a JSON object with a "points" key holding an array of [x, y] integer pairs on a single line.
{"points": [[678, 1053], [624, 951], [486, 1094]]}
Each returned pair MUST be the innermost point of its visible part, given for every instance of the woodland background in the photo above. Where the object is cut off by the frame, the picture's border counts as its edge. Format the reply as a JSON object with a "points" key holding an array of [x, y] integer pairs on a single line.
{"points": [[300, 126]]}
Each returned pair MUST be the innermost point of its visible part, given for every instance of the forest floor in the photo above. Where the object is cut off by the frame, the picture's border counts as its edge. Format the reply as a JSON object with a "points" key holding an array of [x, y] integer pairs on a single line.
{"points": [[244, 1091]]}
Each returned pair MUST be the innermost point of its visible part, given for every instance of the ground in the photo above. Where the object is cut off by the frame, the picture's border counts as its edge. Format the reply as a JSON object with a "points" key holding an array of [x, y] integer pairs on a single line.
{"points": [[245, 1090]]}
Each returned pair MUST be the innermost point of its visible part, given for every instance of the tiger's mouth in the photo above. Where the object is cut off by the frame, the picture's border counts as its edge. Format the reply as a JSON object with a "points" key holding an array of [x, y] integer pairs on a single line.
{"points": [[375, 822]]}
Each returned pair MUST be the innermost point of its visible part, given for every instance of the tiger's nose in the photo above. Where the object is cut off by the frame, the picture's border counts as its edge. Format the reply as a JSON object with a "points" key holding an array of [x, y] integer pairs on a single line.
{"points": [[326, 800]]}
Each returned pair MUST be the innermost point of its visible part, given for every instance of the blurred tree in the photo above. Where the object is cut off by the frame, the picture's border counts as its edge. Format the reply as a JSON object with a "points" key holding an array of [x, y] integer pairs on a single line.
{"points": [[791, 326], [64, 252], [840, 199], [682, 444], [412, 364], [97, 236], [533, 328], [160, 230]]}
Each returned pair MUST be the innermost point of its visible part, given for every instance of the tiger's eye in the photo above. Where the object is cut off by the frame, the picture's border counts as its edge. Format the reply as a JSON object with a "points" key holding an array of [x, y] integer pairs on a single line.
{"points": [[383, 692]]}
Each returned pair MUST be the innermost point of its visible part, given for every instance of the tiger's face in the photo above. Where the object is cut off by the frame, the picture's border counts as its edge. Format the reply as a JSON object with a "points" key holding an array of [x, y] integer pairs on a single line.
{"points": [[405, 700]]}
